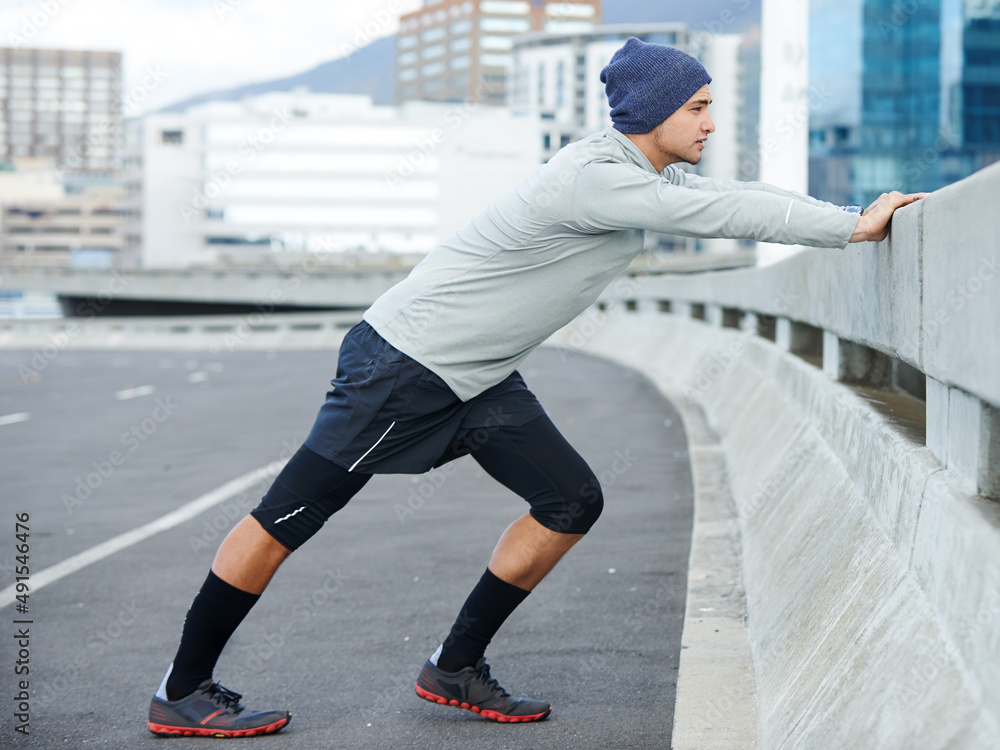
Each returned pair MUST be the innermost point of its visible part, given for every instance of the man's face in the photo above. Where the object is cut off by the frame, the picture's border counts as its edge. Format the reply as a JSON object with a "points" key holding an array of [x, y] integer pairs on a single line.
{"points": [[682, 136]]}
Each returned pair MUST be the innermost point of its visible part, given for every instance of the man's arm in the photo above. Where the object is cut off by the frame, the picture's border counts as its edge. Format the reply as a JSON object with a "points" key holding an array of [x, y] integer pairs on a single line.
{"points": [[677, 176], [612, 195]]}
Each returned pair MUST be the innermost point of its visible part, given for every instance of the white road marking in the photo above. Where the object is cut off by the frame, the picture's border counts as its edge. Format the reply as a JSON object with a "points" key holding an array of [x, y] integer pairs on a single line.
{"points": [[186, 512], [21, 416], [142, 390], [197, 377]]}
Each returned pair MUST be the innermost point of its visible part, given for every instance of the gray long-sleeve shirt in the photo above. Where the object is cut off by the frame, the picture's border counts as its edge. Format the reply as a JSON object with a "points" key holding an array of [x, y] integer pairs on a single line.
{"points": [[543, 251]]}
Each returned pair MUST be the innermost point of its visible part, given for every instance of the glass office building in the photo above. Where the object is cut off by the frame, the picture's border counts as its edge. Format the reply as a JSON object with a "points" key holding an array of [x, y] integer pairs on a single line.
{"points": [[905, 95]]}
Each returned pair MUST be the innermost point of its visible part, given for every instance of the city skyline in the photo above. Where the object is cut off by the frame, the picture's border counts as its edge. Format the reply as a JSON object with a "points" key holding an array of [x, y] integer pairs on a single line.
{"points": [[196, 46]]}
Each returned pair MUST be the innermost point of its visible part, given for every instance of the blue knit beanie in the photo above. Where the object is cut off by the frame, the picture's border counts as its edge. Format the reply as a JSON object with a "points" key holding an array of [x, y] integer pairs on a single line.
{"points": [[646, 83]]}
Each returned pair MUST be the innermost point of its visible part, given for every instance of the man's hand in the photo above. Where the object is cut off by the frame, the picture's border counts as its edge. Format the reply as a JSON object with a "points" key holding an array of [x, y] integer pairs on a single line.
{"points": [[873, 226]]}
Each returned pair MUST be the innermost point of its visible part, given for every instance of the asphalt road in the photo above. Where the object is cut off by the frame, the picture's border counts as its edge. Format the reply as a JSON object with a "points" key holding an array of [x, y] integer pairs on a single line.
{"points": [[94, 444]]}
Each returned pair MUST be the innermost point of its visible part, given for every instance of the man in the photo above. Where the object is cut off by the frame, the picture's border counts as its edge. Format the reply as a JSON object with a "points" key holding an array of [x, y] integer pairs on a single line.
{"points": [[430, 375]]}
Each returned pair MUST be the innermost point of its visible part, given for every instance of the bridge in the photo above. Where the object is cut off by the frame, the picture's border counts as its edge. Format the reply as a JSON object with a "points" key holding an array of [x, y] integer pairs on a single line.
{"points": [[300, 282], [842, 417]]}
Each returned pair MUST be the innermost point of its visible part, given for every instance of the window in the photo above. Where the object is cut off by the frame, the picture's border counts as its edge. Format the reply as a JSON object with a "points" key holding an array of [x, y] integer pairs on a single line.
{"points": [[514, 25], [407, 58], [494, 61], [504, 6], [432, 69], [461, 27], [172, 136], [432, 35], [568, 27], [458, 45], [495, 42], [569, 10], [560, 83], [407, 41], [435, 50], [458, 63]]}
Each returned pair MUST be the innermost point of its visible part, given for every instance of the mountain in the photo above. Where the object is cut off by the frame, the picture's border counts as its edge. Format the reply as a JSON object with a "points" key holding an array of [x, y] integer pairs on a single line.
{"points": [[369, 70]]}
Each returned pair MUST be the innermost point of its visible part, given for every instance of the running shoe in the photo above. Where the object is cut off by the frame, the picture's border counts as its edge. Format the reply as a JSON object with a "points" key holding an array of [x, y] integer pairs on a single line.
{"points": [[473, 689], [212, 711]]}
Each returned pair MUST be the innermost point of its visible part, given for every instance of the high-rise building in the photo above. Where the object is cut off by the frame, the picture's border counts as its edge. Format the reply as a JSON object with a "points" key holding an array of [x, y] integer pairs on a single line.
{"points": [[902, 96], [460, 50], [298, 172], [64, 105]]}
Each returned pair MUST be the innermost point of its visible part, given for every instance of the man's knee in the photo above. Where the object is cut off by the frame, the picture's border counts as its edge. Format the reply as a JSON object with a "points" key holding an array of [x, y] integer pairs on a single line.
{"points": [[578, 511], [303, 496]]}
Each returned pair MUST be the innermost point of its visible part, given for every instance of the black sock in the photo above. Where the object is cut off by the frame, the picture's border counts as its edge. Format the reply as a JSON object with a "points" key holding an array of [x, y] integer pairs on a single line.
{"points": [[489, 604], [215, 613]]}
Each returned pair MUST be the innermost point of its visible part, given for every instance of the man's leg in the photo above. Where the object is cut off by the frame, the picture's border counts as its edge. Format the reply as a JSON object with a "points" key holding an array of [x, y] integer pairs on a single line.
{"points": [[527, 551], [249, 557], [304, 495], [536, 462], [243, 567]]}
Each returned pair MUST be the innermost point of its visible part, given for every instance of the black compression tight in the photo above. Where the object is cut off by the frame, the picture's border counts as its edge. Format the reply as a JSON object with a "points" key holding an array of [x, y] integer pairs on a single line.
{"points": [[533, 460]]}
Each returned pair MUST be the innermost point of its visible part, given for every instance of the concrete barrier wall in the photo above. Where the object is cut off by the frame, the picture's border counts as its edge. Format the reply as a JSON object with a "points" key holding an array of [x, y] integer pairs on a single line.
{"points": [[872, 575], [870, 544], [45, 338]]}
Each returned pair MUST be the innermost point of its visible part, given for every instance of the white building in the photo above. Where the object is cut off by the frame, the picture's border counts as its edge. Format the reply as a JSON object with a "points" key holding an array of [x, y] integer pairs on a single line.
{"points": [[558, 77], [322, 172]]}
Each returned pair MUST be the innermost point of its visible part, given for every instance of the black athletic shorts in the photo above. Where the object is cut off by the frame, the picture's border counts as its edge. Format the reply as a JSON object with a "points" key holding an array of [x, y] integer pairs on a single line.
{"points": [[388, 414]]}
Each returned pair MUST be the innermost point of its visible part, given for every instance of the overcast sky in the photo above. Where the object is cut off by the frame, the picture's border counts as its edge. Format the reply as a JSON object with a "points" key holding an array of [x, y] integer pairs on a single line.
{"points": [[200, 45]]}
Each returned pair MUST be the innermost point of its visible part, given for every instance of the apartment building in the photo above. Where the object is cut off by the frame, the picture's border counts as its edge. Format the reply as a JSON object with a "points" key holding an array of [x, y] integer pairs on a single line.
{"points": [[61, 104], [460, 50]]}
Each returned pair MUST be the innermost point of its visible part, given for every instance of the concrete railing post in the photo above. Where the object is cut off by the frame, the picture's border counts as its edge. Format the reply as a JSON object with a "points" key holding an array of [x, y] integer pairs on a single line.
{"points": [[850, 362], [647, 305], [797, 338], [713, 315], [964, 433], [682, 308]]}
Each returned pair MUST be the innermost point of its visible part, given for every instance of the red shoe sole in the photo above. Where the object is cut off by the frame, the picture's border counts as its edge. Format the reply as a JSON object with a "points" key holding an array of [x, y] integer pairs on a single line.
{"points": [[168, 731], [487, 714]]}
